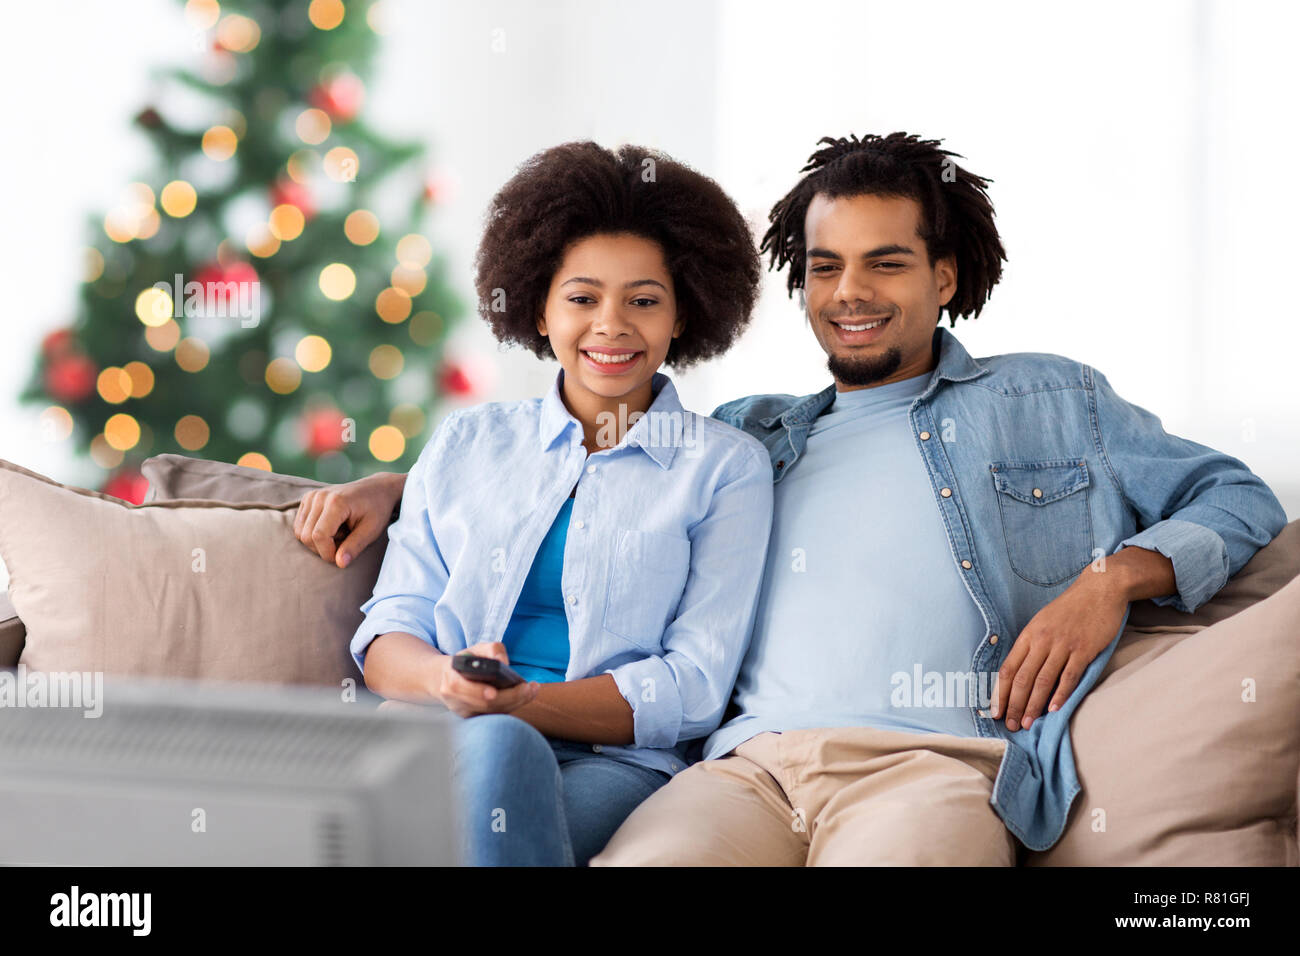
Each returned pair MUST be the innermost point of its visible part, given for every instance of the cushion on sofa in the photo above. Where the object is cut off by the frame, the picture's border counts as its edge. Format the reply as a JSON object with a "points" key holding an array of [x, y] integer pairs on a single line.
{"points": [[1188, 749], [1264, 574], [186, 588], [175, 476]]}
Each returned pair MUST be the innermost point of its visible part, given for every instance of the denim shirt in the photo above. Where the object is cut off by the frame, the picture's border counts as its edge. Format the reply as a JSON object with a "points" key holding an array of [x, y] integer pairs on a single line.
{"points": [[1038, 468], [662, 565]]}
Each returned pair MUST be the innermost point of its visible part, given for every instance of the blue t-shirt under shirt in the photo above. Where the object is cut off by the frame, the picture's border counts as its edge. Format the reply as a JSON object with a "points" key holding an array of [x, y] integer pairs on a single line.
{"points": [[537, 637], [862, 612]]}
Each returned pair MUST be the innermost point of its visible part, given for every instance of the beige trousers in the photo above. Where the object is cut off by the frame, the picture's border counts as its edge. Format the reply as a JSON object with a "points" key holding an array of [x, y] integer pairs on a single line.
{"points": [[843, 796]]}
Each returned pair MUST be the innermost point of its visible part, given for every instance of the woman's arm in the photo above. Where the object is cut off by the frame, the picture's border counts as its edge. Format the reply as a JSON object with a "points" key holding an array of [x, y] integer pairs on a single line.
{"points": [[401, 666], [404, 667], [590, 711]]}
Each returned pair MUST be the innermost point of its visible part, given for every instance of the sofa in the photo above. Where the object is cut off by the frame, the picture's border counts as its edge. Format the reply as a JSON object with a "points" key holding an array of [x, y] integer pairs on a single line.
{"points": [[1188, 749]]}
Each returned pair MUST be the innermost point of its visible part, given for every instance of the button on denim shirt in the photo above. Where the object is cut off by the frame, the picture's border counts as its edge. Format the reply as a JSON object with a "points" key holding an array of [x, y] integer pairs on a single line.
{"points": [[1038, 468], [662, 564]]}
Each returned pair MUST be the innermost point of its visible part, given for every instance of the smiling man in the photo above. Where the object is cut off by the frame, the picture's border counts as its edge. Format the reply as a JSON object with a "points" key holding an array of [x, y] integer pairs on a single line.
{"points": [[954, 547]]}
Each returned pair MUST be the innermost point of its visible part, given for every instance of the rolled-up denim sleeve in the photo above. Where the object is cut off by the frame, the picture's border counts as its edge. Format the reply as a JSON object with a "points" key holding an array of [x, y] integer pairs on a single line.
{"points": [[683, 693], [413, 575], [1202, 509]]}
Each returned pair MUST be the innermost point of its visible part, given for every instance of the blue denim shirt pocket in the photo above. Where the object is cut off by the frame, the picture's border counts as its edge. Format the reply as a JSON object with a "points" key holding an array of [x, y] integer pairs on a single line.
{"points": [[1045, 518], [645, 585]]}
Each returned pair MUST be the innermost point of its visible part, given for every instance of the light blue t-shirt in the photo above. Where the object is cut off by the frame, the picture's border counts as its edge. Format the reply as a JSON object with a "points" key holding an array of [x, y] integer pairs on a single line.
{"points": [[863, 618]]}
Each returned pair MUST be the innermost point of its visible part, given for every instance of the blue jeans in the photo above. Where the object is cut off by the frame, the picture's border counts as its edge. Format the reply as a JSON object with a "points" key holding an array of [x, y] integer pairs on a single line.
{"points": [[528, 800]]}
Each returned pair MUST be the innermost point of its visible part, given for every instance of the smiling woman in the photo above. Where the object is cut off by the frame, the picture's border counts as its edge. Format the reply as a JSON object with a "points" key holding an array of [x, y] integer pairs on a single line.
{"points": [[611, 580], [578, 190]]}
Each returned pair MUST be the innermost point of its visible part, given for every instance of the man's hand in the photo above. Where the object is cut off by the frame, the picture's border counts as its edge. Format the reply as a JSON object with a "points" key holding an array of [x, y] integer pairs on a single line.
{"points": [[357, 513], [1059, 642], [468, 698], [1063, 638]]}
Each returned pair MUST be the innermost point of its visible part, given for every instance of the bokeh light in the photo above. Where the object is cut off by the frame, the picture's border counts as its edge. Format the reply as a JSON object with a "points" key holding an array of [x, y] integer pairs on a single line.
{"points": [[114, 385], [414, 250], [386, 361], [254, 459], [312, 126], [191, 433], [337, 281], [387, 443], [202, 14], [393, 305], [325, 14], [238, 34], [192, 354], [425, 327], [163, 338], [154, 307], [341, 165], [219, 143], [55, 423], [178, 199], [361, 227], [408, 419], [122, 432], [287, 222], [283, 375], [409, 279], [142, 378], [313, 353]]}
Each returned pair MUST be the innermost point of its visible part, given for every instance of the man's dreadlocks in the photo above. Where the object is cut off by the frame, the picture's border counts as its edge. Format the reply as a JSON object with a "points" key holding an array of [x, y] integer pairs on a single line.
{"points": [[956, 213]]}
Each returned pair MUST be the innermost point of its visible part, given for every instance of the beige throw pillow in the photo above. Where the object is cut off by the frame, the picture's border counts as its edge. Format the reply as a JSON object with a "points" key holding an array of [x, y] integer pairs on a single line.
{"points": [[197, 589], [175, 476]]}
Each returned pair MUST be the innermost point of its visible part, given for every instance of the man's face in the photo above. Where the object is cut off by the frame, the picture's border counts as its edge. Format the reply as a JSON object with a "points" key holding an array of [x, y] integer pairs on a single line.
{"points": [[873, 296]]}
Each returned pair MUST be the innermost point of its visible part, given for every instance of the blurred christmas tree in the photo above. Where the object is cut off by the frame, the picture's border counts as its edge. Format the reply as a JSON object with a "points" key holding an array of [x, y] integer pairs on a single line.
{"points": [[265, 295]]}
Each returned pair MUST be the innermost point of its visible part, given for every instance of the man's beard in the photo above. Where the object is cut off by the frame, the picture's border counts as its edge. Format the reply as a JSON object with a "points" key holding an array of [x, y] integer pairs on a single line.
{"points": [[865, 370]]}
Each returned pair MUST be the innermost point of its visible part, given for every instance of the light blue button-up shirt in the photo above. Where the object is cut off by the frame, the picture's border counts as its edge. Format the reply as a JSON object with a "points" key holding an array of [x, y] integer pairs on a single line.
{"points": [[662, 565], [1038, 469]]}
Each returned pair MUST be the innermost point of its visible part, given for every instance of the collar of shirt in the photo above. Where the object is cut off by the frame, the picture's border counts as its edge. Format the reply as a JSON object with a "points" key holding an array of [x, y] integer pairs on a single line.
{"points": [[955, 364], [556, 419]]}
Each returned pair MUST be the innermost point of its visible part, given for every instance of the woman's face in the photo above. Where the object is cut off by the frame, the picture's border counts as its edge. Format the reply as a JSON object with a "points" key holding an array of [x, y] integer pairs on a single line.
{"points": [[611, 315]]}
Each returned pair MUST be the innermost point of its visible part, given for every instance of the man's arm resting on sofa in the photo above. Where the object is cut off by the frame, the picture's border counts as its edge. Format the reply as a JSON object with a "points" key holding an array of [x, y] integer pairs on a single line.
{"points": [[1138, 573], [1203, 509], [364, 508]]}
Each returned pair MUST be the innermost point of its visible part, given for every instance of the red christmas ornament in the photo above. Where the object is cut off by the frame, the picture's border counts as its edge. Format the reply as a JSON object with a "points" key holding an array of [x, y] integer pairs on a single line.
{"points": [[453, 379], [129, 485], [322, 431], [235, 272], [213, 279], [70, 377], [340, 97], [58, 342], [286, 191]]}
